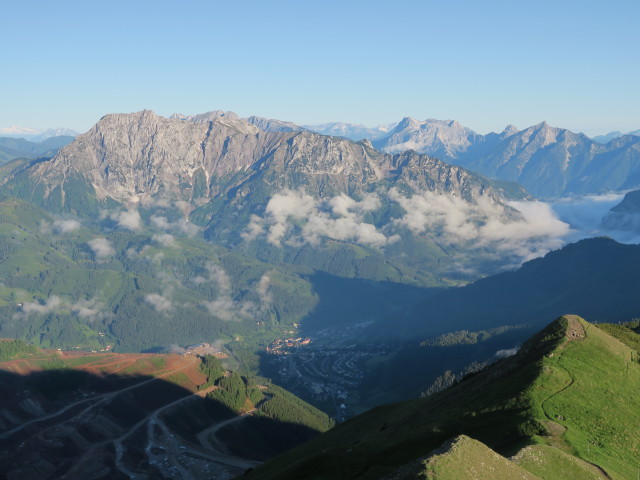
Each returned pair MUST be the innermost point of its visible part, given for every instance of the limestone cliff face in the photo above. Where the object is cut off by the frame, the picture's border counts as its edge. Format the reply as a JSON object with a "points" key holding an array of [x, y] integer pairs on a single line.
{"points": [[132, 156], [143, 154]]}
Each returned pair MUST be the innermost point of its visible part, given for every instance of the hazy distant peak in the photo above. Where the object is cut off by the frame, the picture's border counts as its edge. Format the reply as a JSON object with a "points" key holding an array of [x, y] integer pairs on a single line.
{"points": [[606, 138], [205, 117], [407, 122], [510, 130], [34, 134], [273, 125], [543, 125]]}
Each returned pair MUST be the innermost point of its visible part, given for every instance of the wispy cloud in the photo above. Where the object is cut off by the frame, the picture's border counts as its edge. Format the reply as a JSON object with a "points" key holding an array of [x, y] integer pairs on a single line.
{"points": [[180, 226], [101, 247], [225, 307], [160, 303], [486, 223], [60, 227], [89, 309], [509, 352], [295, 218], [127, 219], [301, 219], [164, 239]]}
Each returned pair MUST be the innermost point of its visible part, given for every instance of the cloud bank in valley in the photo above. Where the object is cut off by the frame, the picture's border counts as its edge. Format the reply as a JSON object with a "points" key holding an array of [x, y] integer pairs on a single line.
{"points": [[338, 218], [295, 218]]}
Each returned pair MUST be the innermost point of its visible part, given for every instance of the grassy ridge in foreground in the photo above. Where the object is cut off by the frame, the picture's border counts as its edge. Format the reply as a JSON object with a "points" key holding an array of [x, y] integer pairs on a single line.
{"points": [[572, 388]]}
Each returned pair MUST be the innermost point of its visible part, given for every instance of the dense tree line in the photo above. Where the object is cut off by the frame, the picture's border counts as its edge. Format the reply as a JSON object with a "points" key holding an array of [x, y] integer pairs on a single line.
{"points": [[10, 349]]}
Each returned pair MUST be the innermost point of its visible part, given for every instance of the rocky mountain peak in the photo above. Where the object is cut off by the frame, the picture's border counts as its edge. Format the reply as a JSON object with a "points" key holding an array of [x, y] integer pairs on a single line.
{"points": [[509, 130], [407, 123], [205, 117]]}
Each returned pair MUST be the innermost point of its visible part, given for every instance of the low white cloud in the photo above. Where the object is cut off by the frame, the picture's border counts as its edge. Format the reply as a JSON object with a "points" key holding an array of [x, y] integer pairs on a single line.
{"points": [[60, 227], [487, 223], [52, 304], [263, 291], [66, 226], [159, 303], [160, 222], [89, 309], [101, 247], [225, 307], [183, 205], [590, 216], [297, 218], [180, 226], [164, 239], [155, 202], [127, 219], [510, 352]]}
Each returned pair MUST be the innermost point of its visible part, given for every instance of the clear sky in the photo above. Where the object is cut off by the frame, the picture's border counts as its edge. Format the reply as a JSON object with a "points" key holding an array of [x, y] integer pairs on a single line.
{"points": [[487, 63]]}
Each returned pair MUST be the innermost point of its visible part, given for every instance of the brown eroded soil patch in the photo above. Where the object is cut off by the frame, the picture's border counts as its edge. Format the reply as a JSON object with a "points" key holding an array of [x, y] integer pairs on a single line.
{"points": [[575, 329]]}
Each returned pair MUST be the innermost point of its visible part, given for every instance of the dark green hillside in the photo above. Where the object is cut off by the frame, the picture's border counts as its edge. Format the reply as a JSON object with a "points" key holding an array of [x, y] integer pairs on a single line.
{"points": [[629, 204], [139, 294], [56, 291], [596, 278], [572, 389]]}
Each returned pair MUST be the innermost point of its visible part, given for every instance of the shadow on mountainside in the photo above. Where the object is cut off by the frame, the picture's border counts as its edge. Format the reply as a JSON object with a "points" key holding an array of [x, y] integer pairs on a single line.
{"points": [[73, 424], [347, 301]]}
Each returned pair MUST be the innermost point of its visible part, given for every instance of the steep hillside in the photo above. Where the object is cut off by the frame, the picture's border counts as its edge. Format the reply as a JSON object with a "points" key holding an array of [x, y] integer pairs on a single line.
{"points": [[594, 277], [625, 215], [462, 457], [566, 402], [81, 415]]}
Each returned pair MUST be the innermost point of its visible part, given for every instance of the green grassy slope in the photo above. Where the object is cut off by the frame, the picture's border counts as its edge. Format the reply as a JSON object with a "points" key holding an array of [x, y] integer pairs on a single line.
{"points": [[462, 458], [572, 388]]}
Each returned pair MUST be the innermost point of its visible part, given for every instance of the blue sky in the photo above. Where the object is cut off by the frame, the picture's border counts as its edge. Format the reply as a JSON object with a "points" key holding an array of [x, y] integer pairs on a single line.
{"points": [[572, 63]]}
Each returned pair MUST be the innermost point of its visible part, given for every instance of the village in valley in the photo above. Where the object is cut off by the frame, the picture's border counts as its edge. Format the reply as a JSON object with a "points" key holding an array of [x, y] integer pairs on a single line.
{"points": [[325, 367]]}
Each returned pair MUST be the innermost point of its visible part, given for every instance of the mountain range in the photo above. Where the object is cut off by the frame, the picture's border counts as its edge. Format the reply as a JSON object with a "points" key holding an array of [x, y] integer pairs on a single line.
{"points": [[549, 162], [256, 190], [606, 138], [36, 135], [352, 276], [12, 148]]}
